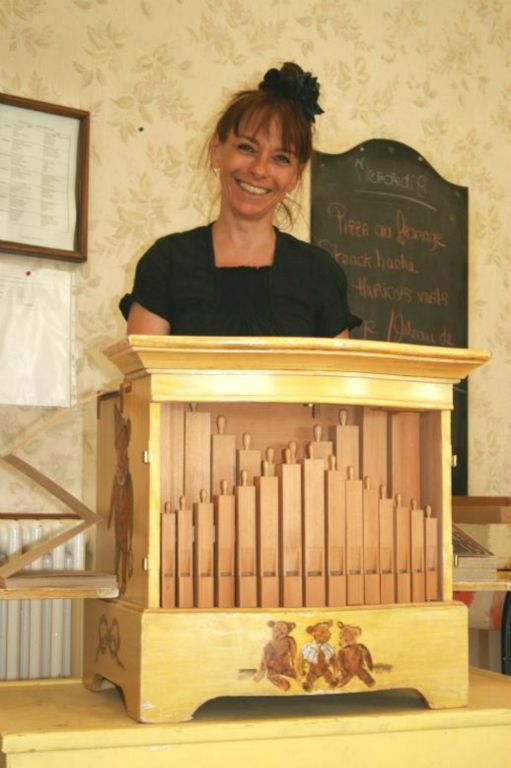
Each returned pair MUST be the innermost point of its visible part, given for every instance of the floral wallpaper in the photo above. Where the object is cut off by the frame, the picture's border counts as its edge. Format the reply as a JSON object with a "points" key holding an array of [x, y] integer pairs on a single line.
{"points": [[154, 73]]}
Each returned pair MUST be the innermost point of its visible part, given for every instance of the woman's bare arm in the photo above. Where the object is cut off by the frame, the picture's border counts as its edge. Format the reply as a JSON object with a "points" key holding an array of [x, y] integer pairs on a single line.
{"points": [[141, 320]]}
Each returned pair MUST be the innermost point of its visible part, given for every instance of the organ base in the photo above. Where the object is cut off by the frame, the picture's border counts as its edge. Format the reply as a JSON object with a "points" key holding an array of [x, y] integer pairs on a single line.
{"points": [[169, 662]]}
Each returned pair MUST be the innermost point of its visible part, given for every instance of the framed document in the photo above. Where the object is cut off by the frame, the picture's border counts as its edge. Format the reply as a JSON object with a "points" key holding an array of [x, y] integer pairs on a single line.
{"points": [[44, 161]]}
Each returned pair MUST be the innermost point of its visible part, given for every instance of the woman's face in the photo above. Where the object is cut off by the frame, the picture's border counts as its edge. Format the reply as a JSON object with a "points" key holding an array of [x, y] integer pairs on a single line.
{"points": [[255, 171]]}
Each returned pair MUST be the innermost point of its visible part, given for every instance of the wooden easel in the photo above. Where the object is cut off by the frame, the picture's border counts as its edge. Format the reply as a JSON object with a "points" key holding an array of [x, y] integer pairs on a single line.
{"points": [[11, 574]]}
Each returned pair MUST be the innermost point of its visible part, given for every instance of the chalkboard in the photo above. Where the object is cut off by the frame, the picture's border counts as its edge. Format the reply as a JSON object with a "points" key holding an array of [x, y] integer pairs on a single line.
{"points": [[400, 232]]}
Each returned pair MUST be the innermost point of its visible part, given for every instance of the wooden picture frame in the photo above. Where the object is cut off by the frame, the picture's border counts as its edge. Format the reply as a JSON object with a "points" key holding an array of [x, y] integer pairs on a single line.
{"points": [[43, 193]]}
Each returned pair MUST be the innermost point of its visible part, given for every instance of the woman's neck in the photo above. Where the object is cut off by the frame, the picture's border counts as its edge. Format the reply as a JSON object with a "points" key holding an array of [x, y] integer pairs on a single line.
{"points": [[243, 244]]}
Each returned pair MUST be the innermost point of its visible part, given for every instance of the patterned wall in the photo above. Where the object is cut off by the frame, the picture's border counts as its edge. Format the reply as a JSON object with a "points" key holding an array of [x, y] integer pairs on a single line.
{"points": [[153, 74]]}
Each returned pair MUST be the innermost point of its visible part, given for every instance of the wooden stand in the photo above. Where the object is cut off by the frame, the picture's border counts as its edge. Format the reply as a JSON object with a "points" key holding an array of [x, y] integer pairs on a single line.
{"points": [[58, 724], [168, 661]]}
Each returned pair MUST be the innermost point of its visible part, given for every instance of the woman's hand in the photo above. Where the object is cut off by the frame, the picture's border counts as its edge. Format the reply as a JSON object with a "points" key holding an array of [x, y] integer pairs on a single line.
{"points": [[141, 320]]}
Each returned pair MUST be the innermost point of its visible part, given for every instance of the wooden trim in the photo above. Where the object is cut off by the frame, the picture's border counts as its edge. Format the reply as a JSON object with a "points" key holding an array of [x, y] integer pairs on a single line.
{"points": [[86, 515], [79, 252]]}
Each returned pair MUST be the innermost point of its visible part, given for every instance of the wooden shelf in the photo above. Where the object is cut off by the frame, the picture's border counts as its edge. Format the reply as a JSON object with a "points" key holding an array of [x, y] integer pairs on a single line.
{"points": [[63, 584], [502, 584]]}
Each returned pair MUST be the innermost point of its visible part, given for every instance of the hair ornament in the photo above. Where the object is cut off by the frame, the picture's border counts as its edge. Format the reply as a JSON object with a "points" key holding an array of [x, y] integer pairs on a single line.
{"points": [[293, 83]]}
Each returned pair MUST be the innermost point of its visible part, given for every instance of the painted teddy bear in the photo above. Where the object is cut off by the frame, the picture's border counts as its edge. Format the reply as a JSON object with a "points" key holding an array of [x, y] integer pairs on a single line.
{"points": [[318, 657], [353, 658], [121, 502], [278, 661]]}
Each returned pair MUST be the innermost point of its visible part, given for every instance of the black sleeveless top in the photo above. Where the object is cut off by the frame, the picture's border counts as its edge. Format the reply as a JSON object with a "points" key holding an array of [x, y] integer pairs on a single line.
{"points": [[303, 293]]}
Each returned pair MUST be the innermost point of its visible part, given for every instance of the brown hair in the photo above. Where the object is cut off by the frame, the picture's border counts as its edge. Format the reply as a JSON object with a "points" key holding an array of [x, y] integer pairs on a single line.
{"points": [[257, 109]]}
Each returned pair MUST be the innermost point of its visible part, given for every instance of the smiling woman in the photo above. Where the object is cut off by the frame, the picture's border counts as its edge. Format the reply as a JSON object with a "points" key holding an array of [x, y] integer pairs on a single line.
{"points": [[241, 276]]}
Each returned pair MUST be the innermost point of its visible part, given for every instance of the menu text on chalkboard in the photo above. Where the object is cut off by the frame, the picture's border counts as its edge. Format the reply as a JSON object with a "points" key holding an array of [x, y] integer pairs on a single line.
{"points": [[400, 232]]}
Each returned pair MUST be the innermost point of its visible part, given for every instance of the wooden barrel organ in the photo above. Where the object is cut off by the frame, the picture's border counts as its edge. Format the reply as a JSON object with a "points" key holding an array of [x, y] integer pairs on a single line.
{"points": [[278, 514]]}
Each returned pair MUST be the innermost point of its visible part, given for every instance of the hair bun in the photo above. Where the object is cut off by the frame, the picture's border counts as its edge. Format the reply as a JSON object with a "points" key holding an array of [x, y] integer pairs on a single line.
{"points": [[291, 82]]}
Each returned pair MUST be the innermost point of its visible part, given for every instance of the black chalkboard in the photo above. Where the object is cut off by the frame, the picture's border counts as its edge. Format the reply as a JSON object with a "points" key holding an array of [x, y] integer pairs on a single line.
{"points": [[400, 232]]}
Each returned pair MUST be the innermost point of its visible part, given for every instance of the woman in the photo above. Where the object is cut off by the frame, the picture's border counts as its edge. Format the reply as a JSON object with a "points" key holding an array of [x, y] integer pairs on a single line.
{"points": [[241, 276]]}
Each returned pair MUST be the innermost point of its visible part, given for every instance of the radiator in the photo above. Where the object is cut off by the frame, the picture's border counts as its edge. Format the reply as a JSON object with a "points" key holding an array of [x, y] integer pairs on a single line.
{"points": [[36, 635]]}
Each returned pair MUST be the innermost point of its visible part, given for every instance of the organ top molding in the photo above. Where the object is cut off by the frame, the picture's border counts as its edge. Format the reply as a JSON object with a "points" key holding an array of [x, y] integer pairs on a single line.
{"points": [[296, 369]]}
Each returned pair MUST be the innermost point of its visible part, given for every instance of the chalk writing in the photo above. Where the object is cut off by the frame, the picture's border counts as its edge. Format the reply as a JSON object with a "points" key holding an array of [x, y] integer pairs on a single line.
{"points": [[400, 263], [383, 177], [401, 328], [345, 224], [361, 260], [369, 329], [405, 233], [382, 230], [438, 297], [382, 291], [365, 260]]}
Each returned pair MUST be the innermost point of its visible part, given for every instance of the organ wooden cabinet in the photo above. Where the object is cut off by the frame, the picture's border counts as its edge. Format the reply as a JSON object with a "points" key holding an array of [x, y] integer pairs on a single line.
{"points": [[278, 512]]}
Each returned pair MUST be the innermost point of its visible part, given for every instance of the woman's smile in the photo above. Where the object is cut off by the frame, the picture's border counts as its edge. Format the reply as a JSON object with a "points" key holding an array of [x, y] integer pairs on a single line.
{"points": [[251, 189]]}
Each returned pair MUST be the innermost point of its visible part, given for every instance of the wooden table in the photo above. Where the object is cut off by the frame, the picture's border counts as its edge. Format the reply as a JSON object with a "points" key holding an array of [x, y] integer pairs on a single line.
{"points": [[61, 724]]}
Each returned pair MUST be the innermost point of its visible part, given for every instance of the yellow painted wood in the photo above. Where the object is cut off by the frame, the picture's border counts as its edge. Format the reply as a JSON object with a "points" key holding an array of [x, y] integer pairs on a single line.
{"points": [[281, 387], [407, 648], [139, 353], [104, 544], [143, 584], [291, 370], [59, 724], [444, 465]]}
